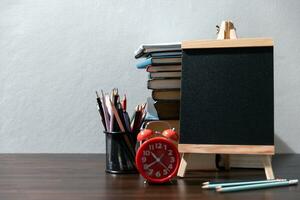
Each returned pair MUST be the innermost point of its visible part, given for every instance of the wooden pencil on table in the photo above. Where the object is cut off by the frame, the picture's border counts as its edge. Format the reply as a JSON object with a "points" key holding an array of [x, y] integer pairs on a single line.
{"points": [[216, 185], [256, 186]]}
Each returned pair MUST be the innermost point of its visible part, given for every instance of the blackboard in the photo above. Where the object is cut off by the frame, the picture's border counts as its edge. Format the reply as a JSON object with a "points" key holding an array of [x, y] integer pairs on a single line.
{"points": [[227, 96]]}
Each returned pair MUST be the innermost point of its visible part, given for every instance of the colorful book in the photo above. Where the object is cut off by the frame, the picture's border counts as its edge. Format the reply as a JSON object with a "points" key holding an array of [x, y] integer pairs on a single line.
{"points": [[166, 95], [166, 54], [163, 75], [167, 110], [163, 68], [164, 84]]}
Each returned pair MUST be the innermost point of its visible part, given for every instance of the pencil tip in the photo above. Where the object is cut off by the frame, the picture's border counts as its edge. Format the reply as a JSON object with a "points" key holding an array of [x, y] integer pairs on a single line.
{"points": [[205, 183], [295, 181], [205, 186], [97, 94]]}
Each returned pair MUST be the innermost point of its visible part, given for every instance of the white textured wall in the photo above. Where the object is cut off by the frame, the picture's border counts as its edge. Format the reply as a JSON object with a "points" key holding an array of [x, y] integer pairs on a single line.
{"points": [[55, 54]]}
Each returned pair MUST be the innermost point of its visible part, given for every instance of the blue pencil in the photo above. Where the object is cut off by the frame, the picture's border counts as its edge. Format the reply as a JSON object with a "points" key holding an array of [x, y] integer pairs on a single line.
{"points": [[257, 186], [215, 185]]}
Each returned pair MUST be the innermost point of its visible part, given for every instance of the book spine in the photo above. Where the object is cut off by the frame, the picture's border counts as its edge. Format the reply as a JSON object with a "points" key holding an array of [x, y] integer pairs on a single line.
{"points": [[164, 88], [156, 63]]}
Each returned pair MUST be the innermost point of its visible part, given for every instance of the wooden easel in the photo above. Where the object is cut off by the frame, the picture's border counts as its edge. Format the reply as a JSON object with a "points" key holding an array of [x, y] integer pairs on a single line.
{"points": [[266, 153], [227, 32]]}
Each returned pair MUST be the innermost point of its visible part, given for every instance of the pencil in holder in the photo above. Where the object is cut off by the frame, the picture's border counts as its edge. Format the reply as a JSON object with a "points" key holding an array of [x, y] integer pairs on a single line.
{"points": [[120, 154]]}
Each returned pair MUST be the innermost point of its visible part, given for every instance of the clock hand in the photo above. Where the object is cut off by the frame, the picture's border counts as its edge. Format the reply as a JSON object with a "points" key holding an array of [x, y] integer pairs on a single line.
{"points": [[159, 160], [151, 164], [155, 157], [164, 166]]}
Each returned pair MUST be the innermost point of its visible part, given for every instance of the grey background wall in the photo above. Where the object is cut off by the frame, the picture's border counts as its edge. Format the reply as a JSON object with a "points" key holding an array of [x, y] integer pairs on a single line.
{"points": [[55, 54]]}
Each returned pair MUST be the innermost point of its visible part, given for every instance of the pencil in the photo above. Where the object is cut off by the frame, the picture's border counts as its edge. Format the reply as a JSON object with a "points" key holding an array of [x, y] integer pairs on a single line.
{"points": [[144, 114], [136, 119], [127, 121], [124, 103], [101, 111], [216, 185], [133, 118], [109, 109], [105, 111], [257, 186], [115, 112], [114, 98]]}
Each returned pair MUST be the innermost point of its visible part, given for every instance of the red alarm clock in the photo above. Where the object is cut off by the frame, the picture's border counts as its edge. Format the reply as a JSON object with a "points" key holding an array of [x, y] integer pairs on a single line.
{"points": [[157, 158]]}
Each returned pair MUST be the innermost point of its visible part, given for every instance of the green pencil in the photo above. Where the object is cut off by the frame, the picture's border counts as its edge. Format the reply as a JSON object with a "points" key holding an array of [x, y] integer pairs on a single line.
{"points": [[257, 186], [215, 185]]}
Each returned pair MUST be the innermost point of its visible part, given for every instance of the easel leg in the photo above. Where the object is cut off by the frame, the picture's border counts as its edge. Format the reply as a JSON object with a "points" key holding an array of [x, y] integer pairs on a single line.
{"points": [[268, 167], [183, 164]]}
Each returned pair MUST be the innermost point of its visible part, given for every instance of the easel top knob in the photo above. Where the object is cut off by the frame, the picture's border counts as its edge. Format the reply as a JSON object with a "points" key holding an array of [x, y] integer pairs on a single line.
{"points": [[226, 30]]}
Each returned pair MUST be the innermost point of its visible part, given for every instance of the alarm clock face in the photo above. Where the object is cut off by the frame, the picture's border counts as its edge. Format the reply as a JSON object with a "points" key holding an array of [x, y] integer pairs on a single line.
{"points": [[157, 160]]}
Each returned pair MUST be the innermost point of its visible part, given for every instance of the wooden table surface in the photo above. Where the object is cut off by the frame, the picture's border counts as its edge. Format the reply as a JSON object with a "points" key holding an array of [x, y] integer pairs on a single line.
{"points": [[82, 176]]}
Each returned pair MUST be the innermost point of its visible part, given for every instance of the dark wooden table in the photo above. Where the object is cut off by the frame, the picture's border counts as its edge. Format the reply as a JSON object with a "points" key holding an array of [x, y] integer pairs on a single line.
{"points": [[82, 176]]}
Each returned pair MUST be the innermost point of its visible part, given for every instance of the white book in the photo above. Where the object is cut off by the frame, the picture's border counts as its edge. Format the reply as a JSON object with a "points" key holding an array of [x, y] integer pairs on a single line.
{"points": [[155, 47], [246, 161], [199, 161]]}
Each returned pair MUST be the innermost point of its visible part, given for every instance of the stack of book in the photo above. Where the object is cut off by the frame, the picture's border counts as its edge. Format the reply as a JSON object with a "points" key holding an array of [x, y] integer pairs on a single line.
{"points": [[163, 63]]}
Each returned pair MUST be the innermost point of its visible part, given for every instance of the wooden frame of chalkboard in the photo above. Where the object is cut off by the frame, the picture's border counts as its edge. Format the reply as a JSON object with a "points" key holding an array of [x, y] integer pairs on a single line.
{"points": [[227, 99]]}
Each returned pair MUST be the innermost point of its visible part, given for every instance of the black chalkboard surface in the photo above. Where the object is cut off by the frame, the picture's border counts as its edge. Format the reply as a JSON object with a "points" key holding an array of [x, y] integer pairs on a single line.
{"points": [[227, 95]]}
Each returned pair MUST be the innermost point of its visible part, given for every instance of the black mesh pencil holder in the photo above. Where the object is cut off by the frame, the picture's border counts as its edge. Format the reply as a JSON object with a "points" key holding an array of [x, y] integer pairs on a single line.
{"points": [[120, 153]]}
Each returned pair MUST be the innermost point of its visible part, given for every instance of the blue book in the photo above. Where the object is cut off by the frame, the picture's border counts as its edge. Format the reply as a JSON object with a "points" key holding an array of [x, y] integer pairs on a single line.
{"points": [[144, 63], [159, 61]]}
